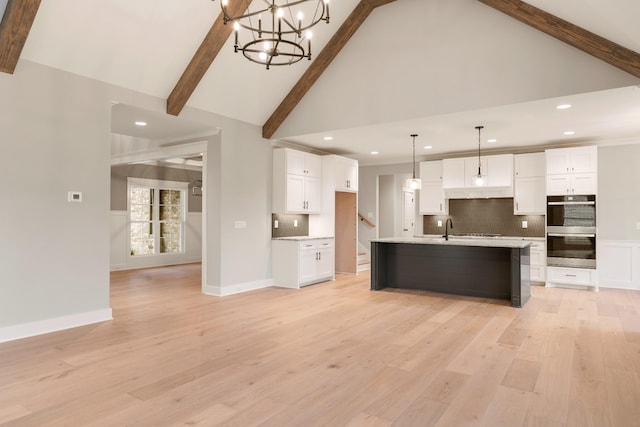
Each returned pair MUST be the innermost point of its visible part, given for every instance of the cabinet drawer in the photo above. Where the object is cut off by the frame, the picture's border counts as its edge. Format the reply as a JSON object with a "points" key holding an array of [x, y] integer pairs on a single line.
{"points": [[571, 276], [324, 243]]}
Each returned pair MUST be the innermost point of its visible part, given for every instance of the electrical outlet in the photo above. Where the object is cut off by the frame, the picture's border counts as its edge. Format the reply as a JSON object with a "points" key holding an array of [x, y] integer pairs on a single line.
{"points": [[275, 223], [295, 222], [439, 223], [525, 224]]}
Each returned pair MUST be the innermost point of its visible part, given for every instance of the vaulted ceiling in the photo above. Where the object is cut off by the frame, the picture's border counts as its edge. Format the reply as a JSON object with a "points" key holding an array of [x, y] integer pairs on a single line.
{"points": [[393, 67]]}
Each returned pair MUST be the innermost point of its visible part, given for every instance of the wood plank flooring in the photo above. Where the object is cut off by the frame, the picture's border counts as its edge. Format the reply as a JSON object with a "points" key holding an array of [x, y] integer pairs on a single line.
{"points": [[332, 354]]}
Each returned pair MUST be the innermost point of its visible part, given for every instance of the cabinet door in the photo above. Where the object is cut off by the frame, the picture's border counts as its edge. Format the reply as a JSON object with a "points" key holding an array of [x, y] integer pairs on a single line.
{"points": [[324, 265], [499, 170], [312, 194], [453, 173], [558, 185], [584, 160], [530, 196], [308, 259], [295, 162], [313, 165], [529, 165], [432, 201], [295, 193], [431, 171], [583, 183], [346, 174], [558, 161]]}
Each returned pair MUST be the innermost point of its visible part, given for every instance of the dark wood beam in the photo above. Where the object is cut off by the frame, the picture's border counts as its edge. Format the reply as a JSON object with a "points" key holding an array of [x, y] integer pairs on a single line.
{"points": [[588, 42], [14, 30], [322, 61], [203, 58]]}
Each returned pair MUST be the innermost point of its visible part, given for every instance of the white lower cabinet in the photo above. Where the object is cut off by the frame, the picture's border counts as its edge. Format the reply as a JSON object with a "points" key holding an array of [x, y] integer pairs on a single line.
{"points": [[538, 262], [572, 277], [296, 263]]}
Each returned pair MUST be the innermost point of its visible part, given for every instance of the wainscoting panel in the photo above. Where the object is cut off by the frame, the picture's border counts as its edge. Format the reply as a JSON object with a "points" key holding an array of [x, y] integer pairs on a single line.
{"points": [[619, 264]]}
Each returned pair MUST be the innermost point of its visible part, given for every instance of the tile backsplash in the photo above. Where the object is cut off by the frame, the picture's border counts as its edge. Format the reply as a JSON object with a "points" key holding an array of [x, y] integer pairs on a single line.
{"points": [[286, 226], [487, 216]]}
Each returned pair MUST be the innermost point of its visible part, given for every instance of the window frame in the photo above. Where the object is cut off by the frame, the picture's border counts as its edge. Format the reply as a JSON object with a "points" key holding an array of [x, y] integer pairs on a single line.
{"points": [[157, 186]]}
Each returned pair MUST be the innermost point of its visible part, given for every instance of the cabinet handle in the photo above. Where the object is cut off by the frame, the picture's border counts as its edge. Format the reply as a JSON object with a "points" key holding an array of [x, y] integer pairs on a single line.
{"points": [[319, 256], [570, 275], [440, 207], [517, 206]]}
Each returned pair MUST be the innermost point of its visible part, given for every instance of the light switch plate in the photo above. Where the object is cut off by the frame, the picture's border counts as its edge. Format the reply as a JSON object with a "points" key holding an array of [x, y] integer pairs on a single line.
{"points": [[275, 223], [525, 224], [295, 222], [439, 223]]}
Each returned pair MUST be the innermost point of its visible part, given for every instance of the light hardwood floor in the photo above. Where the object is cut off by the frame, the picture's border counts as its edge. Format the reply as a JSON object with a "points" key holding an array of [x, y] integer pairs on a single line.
{"points": [[333, 354]]}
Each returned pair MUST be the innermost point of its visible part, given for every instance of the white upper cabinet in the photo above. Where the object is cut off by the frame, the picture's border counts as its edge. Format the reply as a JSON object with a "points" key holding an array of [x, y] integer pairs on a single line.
{"points": [[453, 173], [500, 170], [301, 163], [432, 200], [346, 174], [572, 160], [529, 193], [572, 171], [297, 182]]}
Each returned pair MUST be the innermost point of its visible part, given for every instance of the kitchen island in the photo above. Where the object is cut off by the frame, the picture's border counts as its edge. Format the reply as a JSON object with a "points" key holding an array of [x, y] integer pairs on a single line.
{"points": [[488, 268]]}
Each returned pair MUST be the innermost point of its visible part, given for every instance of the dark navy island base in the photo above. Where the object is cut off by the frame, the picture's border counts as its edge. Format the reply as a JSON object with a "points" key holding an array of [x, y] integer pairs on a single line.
{"points": [[496, 269]]}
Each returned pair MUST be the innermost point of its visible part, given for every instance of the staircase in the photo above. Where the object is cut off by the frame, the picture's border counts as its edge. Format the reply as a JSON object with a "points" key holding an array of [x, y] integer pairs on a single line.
{"points": [[364, 259]]}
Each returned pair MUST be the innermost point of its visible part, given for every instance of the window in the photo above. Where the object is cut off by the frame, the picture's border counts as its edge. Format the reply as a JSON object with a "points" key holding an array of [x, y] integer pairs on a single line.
{"points": [[157, 212]]}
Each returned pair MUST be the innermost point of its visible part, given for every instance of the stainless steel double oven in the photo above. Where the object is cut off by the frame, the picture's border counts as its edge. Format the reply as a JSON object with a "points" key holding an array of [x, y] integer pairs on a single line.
{"points": [[571, 231]]}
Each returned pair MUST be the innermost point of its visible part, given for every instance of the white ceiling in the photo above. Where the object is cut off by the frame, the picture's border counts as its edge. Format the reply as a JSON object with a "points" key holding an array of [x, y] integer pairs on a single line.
{"points": [[145, 45]]}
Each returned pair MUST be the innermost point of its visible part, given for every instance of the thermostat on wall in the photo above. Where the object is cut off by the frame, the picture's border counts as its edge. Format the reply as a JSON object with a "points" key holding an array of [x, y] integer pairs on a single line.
{"points": [[74, 196]]}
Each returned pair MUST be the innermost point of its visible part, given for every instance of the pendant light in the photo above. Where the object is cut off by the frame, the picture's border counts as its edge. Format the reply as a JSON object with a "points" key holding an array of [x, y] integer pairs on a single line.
{"points": [[479, 181], [414, 183]]}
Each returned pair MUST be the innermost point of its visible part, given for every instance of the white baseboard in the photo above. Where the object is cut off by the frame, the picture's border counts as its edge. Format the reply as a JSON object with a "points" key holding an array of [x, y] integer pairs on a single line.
{"points": [[220, 291], [30, 329]]}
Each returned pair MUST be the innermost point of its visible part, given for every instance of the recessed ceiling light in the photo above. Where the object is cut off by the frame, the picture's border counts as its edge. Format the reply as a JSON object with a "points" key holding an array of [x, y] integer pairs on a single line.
{"points": [[563, 106], [328, 138], [569, 132], [139, 123], [428, 147], [375, 152], [492, 140]]}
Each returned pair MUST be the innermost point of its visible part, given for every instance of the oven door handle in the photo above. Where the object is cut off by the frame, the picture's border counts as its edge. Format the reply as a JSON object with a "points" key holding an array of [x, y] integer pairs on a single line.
{"points": [[569, 203], [570, 235]]}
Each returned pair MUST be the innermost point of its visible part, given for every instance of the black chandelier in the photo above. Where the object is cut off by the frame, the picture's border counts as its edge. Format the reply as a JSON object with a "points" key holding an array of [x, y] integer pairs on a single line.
{"points": [[277, 37]]}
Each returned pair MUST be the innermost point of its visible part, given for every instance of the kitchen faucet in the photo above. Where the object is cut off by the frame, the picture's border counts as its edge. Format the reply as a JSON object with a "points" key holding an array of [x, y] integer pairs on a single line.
{"points": [[446, 228]]}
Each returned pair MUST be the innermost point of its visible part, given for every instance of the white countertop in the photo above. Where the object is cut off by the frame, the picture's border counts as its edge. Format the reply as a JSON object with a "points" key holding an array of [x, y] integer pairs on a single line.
{"points": [[302, 238], [492, 242]]}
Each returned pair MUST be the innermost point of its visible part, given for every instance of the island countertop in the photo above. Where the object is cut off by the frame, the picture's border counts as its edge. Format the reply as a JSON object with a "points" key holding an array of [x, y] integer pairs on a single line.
{"points": [[493, 242]]}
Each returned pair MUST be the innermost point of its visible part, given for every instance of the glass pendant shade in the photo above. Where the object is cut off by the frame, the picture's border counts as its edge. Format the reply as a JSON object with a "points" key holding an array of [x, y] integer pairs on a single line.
{"points": [[478, 179]]}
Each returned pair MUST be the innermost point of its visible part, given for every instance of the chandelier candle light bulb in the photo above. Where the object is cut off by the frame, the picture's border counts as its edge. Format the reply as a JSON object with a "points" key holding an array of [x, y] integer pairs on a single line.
{"points": [[284, 32]]}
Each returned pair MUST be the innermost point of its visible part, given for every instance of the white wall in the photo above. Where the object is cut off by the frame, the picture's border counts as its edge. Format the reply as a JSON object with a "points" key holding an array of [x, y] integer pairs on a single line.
{"points": [[53, 254]]}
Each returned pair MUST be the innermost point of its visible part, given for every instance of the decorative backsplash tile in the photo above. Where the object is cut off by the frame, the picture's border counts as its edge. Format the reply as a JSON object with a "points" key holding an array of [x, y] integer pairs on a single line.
{"points": [[286, 226], [486, 216]]}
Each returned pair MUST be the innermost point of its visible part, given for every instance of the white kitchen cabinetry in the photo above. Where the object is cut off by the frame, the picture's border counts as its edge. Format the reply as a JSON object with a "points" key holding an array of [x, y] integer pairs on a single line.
{"points": [[459, 177], [529, 184], [296, 263], [572, 171], [432, 200], [297, 181], [572, 277], [346, 174], [538, 261]]}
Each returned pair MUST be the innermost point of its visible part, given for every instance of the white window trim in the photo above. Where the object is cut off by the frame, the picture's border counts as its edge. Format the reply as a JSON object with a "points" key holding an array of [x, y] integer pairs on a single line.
{"points": [[157, 184]]}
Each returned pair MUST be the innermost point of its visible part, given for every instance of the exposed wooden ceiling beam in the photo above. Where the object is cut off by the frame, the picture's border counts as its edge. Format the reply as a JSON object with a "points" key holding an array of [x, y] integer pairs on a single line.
{"points": [[588, 42], [203, 58], [322, 61], [14, 30]]}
